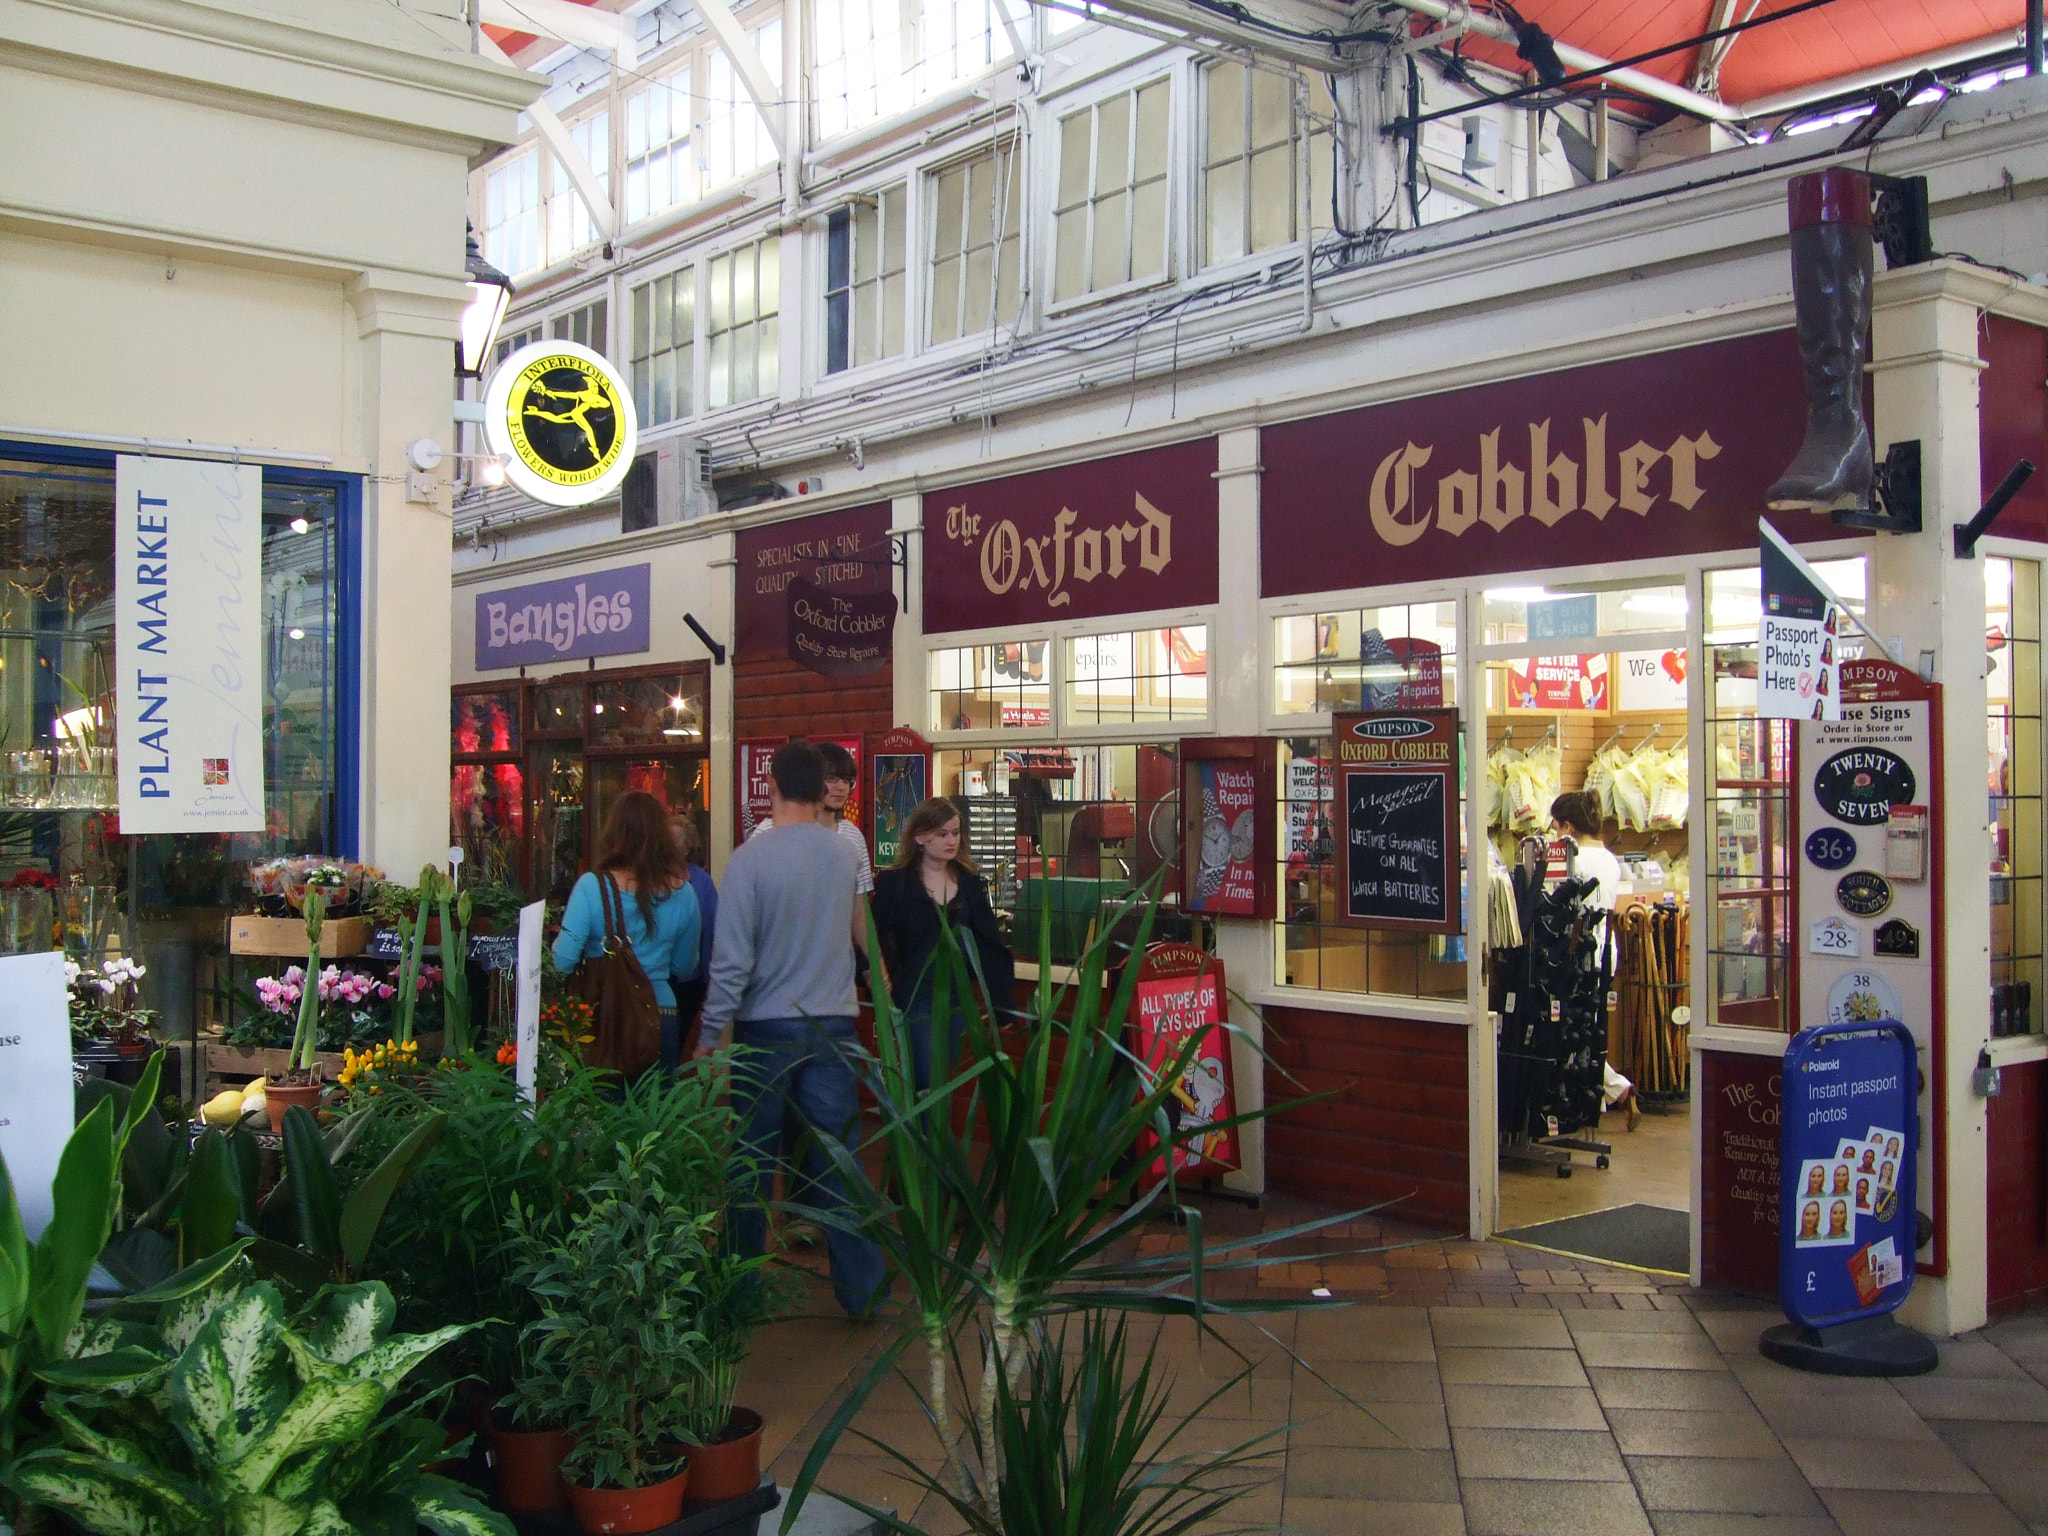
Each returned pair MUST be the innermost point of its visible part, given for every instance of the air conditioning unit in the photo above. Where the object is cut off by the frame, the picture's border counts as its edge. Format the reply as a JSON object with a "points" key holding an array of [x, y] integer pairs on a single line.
{"points": [[669, 483]]}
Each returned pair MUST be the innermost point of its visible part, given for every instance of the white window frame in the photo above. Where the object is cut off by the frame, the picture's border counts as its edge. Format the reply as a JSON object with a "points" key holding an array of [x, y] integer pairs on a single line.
{"points": [[681, 145], [755, 240], [633, 281], [1176, 81], [530, 156], [925, 256], [904, 339]]}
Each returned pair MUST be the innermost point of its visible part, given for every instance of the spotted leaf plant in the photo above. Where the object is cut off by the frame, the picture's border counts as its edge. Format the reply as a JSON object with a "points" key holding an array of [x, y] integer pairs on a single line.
{"points": [[226, 1417]]}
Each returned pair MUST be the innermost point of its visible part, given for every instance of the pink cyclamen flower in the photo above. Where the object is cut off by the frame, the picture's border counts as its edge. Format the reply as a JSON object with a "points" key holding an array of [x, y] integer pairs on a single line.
{"points": [[386, 990]]}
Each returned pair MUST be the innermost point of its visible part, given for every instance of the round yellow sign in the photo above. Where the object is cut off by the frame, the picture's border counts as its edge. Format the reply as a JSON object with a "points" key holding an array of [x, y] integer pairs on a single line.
{"points": [[565, 419]]}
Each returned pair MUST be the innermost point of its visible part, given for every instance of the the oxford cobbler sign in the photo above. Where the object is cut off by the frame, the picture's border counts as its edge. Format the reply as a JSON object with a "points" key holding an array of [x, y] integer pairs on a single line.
{"points": [[1668, 454], [1128, 534], [816, 591], [595, 613]]}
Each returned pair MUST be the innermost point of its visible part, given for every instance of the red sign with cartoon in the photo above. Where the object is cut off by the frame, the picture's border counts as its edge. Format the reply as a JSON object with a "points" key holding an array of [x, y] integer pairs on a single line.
{"points": [[1180, 996], [1558, 682]]}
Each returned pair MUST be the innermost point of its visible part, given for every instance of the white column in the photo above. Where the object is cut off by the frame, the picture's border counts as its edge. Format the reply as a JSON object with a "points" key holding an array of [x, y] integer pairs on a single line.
{"points": [[1925, 378], [719, 554], [1244, 945], [912, 709], [405, 378]]}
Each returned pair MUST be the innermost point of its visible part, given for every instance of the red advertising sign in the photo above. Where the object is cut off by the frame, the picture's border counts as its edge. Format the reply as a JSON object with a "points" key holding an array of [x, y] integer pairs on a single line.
{"points": [[1646, 457], [1224, 821], [750, 805], [1180, 995], [1558, 682], [1121, 535], [841, 554]]}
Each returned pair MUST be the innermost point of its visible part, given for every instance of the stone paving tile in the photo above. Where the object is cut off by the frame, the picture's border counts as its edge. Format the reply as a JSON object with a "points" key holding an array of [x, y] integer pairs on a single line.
{"points": [[1868, 1512], [1760, 1375], [1512, 1367], [2011, 1458], [1419, 1477], [1365, 1333], [1686, 1522], [1718, 1485], [1651, 1351], [1482, 1407], [1381, 1426], [1583, 1322], [1562, 1455], [1364, 1382], [1507, 1507], [1681, 1432], [1962, 1397], [1905, 1467], [1976, 1356], [1499, 1330], [1699, 1391], [1736, 1332], [1369, 1517], [1869, 1416]]}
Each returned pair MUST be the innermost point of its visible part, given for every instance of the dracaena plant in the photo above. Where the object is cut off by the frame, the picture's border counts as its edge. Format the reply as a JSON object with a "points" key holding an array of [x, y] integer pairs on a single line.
{"points": [[306, 1042], [225, 1417], [331, 1232]]}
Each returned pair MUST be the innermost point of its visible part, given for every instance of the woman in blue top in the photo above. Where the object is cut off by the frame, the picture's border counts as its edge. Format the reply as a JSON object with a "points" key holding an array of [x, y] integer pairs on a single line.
{"points": [[637, 850]]}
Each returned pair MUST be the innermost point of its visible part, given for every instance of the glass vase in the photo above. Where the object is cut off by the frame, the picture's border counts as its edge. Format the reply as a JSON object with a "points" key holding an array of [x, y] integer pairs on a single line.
{"points": [[25, 918]]}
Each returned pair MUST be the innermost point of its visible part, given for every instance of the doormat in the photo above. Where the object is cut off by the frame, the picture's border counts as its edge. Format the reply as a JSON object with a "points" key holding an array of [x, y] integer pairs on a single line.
{"points": [[1634, 1236]]}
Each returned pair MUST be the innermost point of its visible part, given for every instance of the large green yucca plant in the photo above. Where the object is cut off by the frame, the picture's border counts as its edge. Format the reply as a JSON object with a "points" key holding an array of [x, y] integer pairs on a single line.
{"points": [[997, 1229]]}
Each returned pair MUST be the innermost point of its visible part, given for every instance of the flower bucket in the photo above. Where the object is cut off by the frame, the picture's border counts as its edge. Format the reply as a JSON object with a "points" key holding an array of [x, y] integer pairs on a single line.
{"points": [[277, 1098], [527, 1464], [729, 1467], [627, 1511]]}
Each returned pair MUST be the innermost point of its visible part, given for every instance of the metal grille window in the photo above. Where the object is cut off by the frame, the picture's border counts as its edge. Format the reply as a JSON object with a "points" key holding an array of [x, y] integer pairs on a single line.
{"points": [[584, 325], [1142, 677], [664, 329], [743, 326], [2012, 613], [512, 214], [659, 173], [1110, 216], [992, 687], [976, 211], [864, 276], [507, 345], [1252, 160], [857, 72], [735, 138], [570, 226]]}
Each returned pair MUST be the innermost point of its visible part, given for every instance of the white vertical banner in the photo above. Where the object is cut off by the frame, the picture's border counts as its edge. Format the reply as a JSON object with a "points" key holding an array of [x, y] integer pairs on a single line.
{"points": [[528, 995], [35, 1079], [188, 645]]}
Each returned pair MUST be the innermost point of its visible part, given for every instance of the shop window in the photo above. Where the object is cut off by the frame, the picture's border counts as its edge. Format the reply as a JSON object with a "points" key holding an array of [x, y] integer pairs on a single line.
{"points": [[659, 172], [961, 40], [2012, 615], [1315, 950], [1141, 677], [487, 786], [857, 72], [679, 783], [512, 214], [1110, 215], [664, 336], [584, 325], [1003, 686], [1253, 164], [663, 710], [1528, 615], [1749, 915], [558, 708], [976, 216], [735, 135], [864, 277], [559, 827], [742, 326], [1398, 656], [570, 226]]}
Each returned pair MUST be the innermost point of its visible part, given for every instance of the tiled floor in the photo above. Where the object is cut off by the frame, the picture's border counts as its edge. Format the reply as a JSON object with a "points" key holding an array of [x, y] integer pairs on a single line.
{"points": [[1470, 1390]]}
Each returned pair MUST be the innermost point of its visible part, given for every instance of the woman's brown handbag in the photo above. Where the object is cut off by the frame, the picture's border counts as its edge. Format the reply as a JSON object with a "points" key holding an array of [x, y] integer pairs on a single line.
{"points": [[624, 1015]]}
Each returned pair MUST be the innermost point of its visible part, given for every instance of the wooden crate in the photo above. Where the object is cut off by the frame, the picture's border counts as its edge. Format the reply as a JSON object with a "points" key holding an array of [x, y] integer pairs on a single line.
{"points": [[286, 936], [224, 1066]]}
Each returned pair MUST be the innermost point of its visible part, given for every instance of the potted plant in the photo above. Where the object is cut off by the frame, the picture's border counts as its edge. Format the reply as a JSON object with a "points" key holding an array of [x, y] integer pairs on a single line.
{"points": [[617, 1341], [721, 1440], [299, 1083]]}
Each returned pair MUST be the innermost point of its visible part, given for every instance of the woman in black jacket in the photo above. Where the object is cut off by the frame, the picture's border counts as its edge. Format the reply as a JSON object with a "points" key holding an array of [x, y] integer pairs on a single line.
{"points": [[932, 876]]}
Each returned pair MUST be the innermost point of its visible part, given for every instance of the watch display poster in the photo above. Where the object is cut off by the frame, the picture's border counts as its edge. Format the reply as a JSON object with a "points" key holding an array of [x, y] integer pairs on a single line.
{"points": [[1883, 753], [1396, 807], [1180, 996]]}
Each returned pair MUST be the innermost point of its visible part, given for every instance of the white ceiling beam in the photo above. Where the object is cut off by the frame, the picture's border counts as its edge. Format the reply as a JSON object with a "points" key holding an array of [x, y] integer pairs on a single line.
{"points": [[583, 25], [1881, 74], [556, 135], [746, 58], [1197, 25]]}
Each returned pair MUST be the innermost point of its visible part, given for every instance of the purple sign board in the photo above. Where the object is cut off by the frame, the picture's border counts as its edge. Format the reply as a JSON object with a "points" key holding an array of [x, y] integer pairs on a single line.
{"points": [[597, 613]]}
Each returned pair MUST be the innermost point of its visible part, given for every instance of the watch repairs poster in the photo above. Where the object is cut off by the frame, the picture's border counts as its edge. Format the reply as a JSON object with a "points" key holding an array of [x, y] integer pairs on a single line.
{"points": [[1224, 822], [1868, 941]]}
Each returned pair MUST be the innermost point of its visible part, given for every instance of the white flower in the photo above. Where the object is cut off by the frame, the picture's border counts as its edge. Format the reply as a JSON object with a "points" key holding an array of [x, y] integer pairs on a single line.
{"points": [[72, 972]]}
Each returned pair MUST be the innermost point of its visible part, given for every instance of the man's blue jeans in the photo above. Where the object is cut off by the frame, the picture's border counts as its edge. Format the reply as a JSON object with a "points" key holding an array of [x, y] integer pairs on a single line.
{"points": [[795, 1065]]}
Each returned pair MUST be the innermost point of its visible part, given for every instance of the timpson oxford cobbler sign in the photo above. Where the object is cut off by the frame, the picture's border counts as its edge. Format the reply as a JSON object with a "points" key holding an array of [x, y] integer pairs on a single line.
{"points": [[1643, 458], [563, 419], [1127, 534]]}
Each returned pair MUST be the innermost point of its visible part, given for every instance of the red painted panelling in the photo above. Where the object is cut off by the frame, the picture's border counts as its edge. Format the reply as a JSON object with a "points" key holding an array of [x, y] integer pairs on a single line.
{"points": [[776, 697], [2012, 420], [1739, 1140], [1395, 1128], [2016, 1196]]}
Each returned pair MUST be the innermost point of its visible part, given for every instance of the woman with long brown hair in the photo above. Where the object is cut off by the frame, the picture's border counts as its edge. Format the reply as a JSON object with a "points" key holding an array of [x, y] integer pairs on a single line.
{"points": [[638, 854], [935, 885]]}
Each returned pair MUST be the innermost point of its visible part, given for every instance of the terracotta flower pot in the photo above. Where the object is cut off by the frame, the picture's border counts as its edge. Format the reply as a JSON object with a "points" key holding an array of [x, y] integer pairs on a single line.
{"points": [[277, 1098], [729, 1467], [527, 1464], [625, 1511]]}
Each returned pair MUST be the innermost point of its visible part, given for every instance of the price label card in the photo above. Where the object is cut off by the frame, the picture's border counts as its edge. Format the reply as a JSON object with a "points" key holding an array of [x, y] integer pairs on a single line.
{"points": [[1832, 936]]}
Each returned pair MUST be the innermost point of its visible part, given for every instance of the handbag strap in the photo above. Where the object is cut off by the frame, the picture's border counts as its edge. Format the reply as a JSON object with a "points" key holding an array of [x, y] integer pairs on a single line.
{"points": [[608, 892]]}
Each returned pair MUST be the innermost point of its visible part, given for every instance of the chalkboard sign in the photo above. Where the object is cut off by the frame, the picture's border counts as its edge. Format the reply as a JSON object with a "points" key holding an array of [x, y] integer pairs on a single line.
{"points": [[495, 951], [385, 944], [1397, 807]]}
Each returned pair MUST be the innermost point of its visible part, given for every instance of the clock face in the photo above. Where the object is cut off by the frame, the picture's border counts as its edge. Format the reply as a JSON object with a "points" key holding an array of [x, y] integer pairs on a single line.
{"points": [[1241, 832]]}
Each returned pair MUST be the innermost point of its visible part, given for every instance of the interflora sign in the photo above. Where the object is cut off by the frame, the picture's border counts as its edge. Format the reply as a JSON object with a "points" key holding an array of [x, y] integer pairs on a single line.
{"points": [[1120, 535], [188, 646], [1667, 454], [562, 418], [596, 613]]}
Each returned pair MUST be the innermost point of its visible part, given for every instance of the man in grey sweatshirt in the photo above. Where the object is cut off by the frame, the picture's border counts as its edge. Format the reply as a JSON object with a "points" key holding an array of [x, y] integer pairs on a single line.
{"points": [[782, 980]]}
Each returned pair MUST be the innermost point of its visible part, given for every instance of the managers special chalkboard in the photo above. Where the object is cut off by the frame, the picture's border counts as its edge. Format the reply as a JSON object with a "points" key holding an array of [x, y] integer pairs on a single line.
{"points": [[1397, 805]]}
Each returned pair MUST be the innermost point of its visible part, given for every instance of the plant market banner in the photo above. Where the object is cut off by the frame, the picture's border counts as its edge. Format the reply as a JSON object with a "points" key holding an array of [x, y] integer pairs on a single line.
{"points": [[188, 645]]}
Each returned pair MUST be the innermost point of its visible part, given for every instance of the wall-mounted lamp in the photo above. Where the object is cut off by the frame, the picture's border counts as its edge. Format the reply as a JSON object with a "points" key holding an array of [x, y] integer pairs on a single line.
{"points": [[490, 293]]}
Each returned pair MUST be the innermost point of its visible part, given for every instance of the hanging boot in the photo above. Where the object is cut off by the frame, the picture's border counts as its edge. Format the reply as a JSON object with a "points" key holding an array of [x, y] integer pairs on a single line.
{"points": [[1831, 260]]}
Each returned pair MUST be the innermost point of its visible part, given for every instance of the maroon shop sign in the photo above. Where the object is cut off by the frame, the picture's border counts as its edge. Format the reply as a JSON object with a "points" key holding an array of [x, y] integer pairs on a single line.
{"points": [[1122, 535], [1645, 458], [793, 576]]}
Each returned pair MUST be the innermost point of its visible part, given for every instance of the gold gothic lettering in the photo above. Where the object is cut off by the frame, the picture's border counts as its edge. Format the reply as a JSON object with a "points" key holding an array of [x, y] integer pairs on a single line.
{"points": [[1386, 515], [1010, 559]]}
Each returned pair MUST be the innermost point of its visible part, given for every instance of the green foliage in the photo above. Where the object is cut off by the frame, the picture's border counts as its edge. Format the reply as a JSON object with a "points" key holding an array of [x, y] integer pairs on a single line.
{"points": [[333, 1229], [732, 1297], [306, 1042], [617, 1339], [409, 967], [224, 1418], [455, 911]]}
